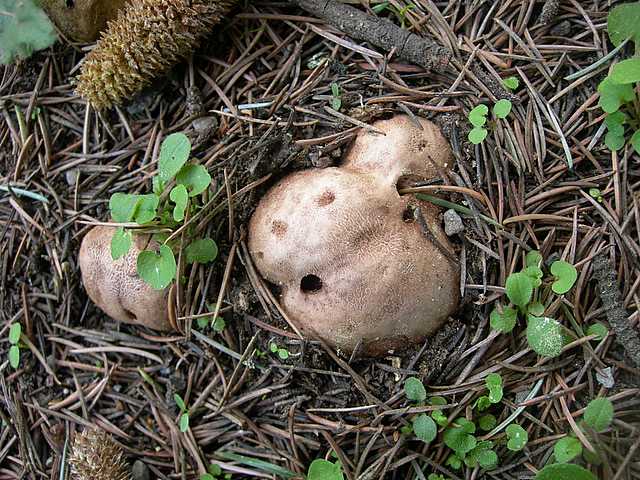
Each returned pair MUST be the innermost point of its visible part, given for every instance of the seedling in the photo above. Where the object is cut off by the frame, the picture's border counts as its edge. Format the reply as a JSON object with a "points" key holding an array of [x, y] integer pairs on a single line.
{"points": [[566, 449], [283, 353], [164, 214], [24, 29], [336, 100], [321, 469], [517, 437], [511, 83], [599, 330], [596, 194], [478, 118], [183, 421], [15, 333], [214, 472]]}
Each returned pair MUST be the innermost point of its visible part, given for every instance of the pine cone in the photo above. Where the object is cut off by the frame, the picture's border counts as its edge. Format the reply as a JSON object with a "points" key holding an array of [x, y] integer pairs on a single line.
{"points": [[146, 39], [95, 456]]}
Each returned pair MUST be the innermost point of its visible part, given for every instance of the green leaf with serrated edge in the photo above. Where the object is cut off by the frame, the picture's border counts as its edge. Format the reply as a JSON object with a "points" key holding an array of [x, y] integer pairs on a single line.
{"points": [[599, 414], [414, 390], [505, 321], [614, 141], [544, 336], [517, 437], [511, 83], [203, 250], [622, 23], [564, 471], [536, 309], [458, 440], [14, 356], [613, 95], [626, 72], [180, 197], [533, 259], [566, 276], [147, 208], [478, 115], [184, 422], [487, 422], [477, 135], [24, 29], [14, 333], [595, 193], [195, 177], [324, 470], [566, 449], [519, 289], [123, 206], [174, 153], [425, 428], [157, 269], [179, 402], [473, 458], [598, 329], [120, 243], [635, 141], [502, 108]]}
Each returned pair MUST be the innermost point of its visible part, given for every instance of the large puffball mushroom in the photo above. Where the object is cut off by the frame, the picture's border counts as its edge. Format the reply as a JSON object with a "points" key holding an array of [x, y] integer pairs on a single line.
{"points": [[82, 20], [114, 285], [356, 262]]}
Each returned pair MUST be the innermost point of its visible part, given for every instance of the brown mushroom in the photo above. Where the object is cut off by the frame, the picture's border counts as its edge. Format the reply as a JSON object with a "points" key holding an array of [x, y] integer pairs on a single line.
{"points": [[355, 261], [114, 285], [82, 20]]}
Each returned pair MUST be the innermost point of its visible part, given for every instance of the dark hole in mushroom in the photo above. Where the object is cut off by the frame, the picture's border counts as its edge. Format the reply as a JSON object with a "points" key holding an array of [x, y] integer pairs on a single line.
{"points": [[310, 283], [407, 214], [130, 314]]}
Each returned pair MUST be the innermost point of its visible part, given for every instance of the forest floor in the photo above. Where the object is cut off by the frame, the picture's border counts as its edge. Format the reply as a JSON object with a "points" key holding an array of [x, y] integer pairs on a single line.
{"points": [[251, 412]]}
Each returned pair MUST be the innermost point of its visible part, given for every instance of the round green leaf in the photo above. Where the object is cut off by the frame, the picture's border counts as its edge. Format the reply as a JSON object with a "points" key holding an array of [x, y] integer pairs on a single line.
{"points": [[502, 108], [195, 177], [414, 389], [622, 23], [454, 462], [494, 384], [566, 449], [147, 208], [487, 422], [24, 29], [425, 428], [14, 356], [544, 336], [440, 418], [214, 469], [564, 471], [184, 422], [635, 141], [174, 153], [599, 413], [613, 95], [14, 333], [203, 250], [458, 440], [120, 243], [626, 72], [536, 309], [482, 403], [614, 141], [478, 115], [157, 269], [519, 289], [324, 470], [598, 329], [566, 275], [505, 321], [180, 197], [517, 437], [477, 135], [511, 83], [122, 206], [487, 459]]}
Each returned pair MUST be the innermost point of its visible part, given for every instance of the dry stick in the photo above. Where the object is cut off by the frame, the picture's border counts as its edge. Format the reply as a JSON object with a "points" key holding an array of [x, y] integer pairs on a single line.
{"points": [[616, 314], [379, 32]]}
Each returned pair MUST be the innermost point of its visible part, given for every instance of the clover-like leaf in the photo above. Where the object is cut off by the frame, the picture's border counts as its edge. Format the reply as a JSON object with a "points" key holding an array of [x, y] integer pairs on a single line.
{"points": [[482, 455], [622, 23], [454, 461], [566, 275], [615, 122], [478, 115], [15, 331], [203, 250], [564, 471], [24, 29], [180, 197], [147, 208], [544, 336], [519, 289], [613, 95], [505, 321], [414, 390], [174, 153], [502, 108], [517, 437], [599, 414], [440, 418], [195, 177], [218, 324], [626, 72], [566, 449], [120, 243], [157, 269], [482, 403], [425, 428], [511, 83], [477, 135]]}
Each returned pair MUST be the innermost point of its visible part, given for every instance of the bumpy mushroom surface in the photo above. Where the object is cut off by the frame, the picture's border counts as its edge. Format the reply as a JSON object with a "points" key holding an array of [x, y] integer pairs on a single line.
{"points": [[355, 261], [82, 20], [115, 287]]}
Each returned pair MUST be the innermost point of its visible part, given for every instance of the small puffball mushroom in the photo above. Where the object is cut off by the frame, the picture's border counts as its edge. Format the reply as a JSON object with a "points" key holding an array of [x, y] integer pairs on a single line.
{"points": [[114, 285], [82, 20], [356, 262]]}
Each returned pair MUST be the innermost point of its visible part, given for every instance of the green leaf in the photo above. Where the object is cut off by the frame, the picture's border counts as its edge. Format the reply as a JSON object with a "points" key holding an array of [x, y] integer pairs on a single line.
{"points": [[482, 455], [440, 418], [379, 8], [517, 437], [147, 208], [596, 193], [613, 95], [488, 459], [615, 122], [218, 324], [425, 428], [482, 403], [465, 424], [214, 469], [591, 457], [14, 356], [454, 462], [273, 347], [120, 243], [14, 333], [614, 141], [157, 269], [502, 108], [505, 321], [598, 329], [437, 400], [478, 115], [283, 353], [635, 141], [435, 476], [174, 153], [487, 422], [566, 449], [202, 322], [544, 336], [564, 471], [179, 402], [566, 275], [24, 29], [123, 206], [158, 185], [519, 289], [535, 274], [626, 72], [536, 309], [458, 440], [203, 250], [622, 23], [207, 476], [184, 422], [414, 389], [180, 197], [195, 177], [533, 259], [599, 414], [324, 470], [477, 135], [336, 101], [494, 384], [511, 83]]}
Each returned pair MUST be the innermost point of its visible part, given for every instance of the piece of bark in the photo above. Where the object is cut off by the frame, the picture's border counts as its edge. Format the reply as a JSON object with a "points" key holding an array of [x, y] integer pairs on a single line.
{"points": [[379, 32], [626, 335]]}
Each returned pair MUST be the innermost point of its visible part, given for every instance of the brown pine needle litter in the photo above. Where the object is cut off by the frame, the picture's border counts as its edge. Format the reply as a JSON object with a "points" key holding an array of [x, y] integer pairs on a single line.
{"points": [[95, 456], [147, 38]]}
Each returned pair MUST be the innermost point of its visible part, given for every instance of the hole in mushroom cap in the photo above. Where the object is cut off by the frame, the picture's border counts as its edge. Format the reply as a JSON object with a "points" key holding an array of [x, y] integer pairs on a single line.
{"points": [[310, 283], [326, 198], [130, 315]]}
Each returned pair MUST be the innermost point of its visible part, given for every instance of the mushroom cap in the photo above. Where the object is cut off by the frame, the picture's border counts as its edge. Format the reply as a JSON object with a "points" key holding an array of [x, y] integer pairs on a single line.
{"points": [[114, 285]]}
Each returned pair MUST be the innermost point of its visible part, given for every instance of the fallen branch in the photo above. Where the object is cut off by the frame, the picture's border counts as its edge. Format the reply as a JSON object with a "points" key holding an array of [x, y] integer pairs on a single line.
{"points": [[379, 32]]}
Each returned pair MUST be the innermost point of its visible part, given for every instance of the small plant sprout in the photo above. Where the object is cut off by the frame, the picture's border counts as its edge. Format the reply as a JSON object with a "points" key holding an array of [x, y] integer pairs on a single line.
{"points": [[321, 469], [414, 390], [596, 194], [183, 420], [478, 118], [336, 100], [511, 83], [15, 333], [517, 437], [283, 353], [599, 330]]}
